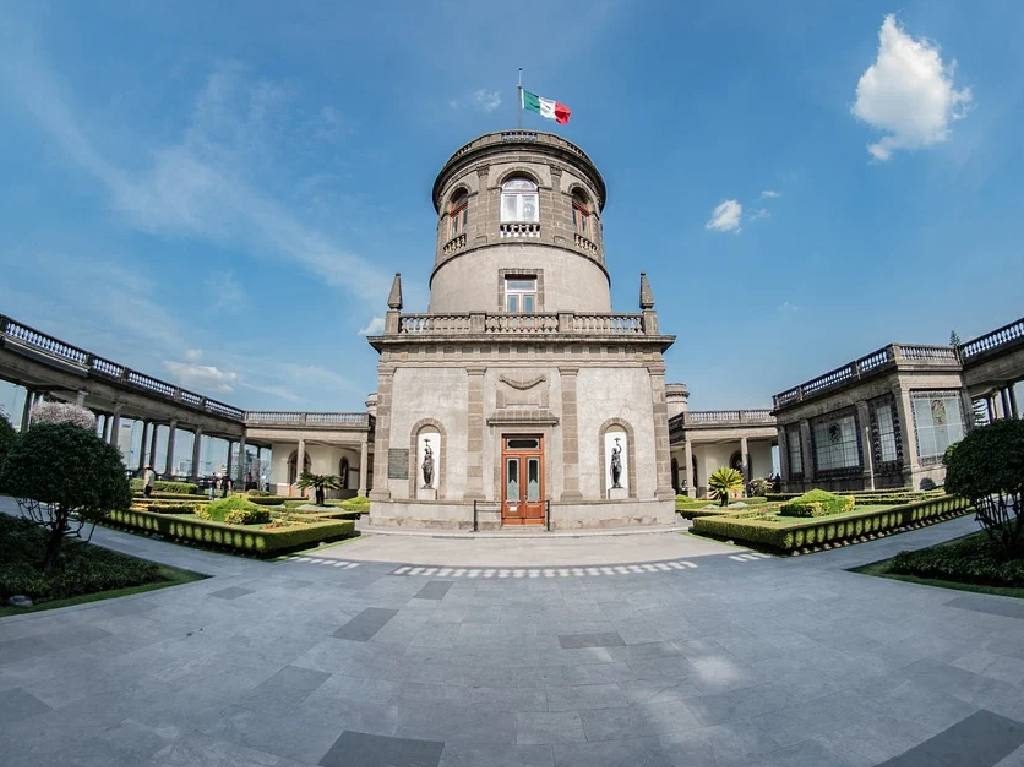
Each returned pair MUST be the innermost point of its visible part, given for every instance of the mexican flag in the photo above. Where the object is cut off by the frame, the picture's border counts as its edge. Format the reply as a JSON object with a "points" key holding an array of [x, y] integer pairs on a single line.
{"points": [[549, 108]]}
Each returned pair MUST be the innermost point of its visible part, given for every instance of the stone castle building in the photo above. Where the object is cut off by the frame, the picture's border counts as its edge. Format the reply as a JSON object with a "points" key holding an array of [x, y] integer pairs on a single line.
{"points": [[520, 397]]}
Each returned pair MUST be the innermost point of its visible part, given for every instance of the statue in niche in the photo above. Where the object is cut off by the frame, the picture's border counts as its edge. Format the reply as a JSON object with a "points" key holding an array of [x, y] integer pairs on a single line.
{"points": [[428, 464], [616, 464]]}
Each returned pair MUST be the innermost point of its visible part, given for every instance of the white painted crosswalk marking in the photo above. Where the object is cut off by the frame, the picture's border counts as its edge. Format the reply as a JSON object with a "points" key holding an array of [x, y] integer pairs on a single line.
{"points": [[642, 568]]}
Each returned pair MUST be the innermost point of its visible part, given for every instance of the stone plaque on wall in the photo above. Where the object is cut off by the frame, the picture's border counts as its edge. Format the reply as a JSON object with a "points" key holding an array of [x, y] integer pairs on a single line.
{"points": [[398, 463]]}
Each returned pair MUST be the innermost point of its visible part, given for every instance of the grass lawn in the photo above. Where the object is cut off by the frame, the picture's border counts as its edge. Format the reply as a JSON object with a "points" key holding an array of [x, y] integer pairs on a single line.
{"points": [[965, 564], [85, 572], [168, 576]]}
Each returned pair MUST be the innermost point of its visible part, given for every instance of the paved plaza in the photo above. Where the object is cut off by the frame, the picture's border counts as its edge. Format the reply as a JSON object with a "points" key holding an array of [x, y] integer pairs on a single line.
{"points": [[332, 658]]}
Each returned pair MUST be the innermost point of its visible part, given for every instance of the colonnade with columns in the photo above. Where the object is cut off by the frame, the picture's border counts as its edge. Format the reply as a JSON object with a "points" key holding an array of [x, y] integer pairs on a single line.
{"points": [[108, 426]]}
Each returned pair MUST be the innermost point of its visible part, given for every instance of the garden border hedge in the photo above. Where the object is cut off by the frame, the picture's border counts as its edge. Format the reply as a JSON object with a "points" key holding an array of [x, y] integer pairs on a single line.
{"points": [[802, 535], [262, 542]]}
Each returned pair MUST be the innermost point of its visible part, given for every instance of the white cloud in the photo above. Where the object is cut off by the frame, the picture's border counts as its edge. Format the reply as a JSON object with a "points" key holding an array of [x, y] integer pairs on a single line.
{"points": [[726, 217], [486, 101], [758, 214], [908, 93], [202, 377], [786, 307], [770, 194], [374, 328]]}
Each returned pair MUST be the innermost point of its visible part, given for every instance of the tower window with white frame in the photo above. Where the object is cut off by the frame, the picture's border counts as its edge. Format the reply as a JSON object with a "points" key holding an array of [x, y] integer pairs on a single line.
{"points": [[520, 201], [521, 295]]}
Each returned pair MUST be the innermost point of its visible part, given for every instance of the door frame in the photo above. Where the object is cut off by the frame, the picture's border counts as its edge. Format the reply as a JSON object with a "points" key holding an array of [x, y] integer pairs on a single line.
{"points": [[523, 455]]}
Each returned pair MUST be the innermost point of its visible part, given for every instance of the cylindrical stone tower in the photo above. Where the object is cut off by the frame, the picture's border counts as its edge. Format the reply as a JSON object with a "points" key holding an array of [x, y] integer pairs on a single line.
{"points": [[520, 397]]}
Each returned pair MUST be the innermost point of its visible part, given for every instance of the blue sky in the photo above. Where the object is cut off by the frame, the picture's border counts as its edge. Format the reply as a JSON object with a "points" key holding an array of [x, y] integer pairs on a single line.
{"points": [[218, 194]]}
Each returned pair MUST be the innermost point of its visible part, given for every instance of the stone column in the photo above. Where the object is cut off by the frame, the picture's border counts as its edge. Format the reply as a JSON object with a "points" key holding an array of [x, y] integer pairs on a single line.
{"points": [[744, 460], [152, 444], [169, 459], [228, 469], [968, 405], [115, 427], [807, 453], [1011, 397], [382, 434], [691, 484], [570, 436], [475, 435], [300, 458], [259, 467], [364, 459], [197, 453], [26, 412], [241, 460], [867, 462], [662, 459], [142, 444], [783, 454], [80, 398]]}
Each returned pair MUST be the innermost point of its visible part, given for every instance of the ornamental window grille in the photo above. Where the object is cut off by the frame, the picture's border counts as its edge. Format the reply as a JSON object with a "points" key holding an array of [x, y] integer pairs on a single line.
{"points": [[521, 294], [886, 433], [458, 213], [835, 444], [520, 202], [938, 422]]}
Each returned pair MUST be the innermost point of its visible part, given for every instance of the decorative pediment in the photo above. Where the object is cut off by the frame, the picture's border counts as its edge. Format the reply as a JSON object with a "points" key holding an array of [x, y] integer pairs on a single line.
{"points": [[522, 385]]}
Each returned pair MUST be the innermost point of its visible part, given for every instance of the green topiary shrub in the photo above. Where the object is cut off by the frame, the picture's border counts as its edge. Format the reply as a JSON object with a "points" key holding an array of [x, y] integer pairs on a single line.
{"points": [[218, 510], [257, 515], [167, 508], [817, 503], [724, 482], [358, 503]]}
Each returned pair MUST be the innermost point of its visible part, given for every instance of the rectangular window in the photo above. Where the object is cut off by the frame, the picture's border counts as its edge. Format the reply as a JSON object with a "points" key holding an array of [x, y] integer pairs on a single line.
{"points": [[938, 422], [519, 207], [796, 462], [521, 295], [835, 444], [886, 433], [458, 220]]}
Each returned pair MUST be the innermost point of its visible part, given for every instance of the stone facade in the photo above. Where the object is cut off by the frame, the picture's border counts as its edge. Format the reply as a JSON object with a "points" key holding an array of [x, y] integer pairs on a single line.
{"points": [[520, 346]]}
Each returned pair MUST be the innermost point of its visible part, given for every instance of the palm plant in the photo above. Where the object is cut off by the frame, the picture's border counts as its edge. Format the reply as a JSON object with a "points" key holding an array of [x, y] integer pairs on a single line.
{"points": [[724, 482], [320, 482]]}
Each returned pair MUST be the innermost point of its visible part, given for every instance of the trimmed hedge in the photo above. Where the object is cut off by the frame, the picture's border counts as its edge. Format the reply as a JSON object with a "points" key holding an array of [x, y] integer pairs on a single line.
{"points": [[238, 539], [181, 508], [267, 500], [174, 496], [167, 486], [786, 535], [973, 559]]}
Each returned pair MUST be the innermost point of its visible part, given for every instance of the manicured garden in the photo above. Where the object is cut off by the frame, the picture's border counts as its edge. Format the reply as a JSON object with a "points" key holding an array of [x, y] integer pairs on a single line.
{"points": [[818, 521]]}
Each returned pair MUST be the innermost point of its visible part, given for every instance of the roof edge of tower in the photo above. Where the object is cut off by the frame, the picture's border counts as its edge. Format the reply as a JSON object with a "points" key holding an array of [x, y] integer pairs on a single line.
{"points": [[496, 141]]}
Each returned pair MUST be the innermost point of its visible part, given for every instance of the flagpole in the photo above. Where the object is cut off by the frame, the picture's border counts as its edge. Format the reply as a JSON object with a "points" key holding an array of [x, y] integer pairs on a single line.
{"points": [[519, 122]]}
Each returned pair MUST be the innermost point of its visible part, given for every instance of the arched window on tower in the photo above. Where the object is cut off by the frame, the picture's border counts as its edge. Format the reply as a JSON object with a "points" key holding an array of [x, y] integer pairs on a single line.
{"points": [[581, 215], [519, 201], [458, 213]]}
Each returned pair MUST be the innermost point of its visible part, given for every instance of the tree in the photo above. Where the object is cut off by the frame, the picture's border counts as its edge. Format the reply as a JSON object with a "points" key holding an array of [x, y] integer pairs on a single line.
{"points": [[724, 482], [7, 437], [64, 476], [320, 482], [987, 467]]}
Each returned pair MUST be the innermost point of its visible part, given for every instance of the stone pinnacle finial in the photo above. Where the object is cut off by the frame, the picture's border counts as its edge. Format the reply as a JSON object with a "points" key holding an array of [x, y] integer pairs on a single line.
{"points": [[395, 296], [646, 294]]}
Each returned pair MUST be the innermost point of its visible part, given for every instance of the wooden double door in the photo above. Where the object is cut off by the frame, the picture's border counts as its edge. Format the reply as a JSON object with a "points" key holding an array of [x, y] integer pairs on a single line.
{"points": [[522, 479]]}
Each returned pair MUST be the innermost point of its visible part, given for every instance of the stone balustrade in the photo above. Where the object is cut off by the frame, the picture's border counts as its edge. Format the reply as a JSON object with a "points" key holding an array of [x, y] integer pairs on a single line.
{"points": [[938, 356], [1007, 335], [288, 418], [16, 335], [454, 245], [564, 323], [727, 417], [584, 243], [530, 231]]}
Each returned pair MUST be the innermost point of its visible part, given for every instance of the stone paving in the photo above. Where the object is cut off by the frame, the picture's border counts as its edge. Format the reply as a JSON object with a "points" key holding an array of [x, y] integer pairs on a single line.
{"points": [[738, 661]]}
